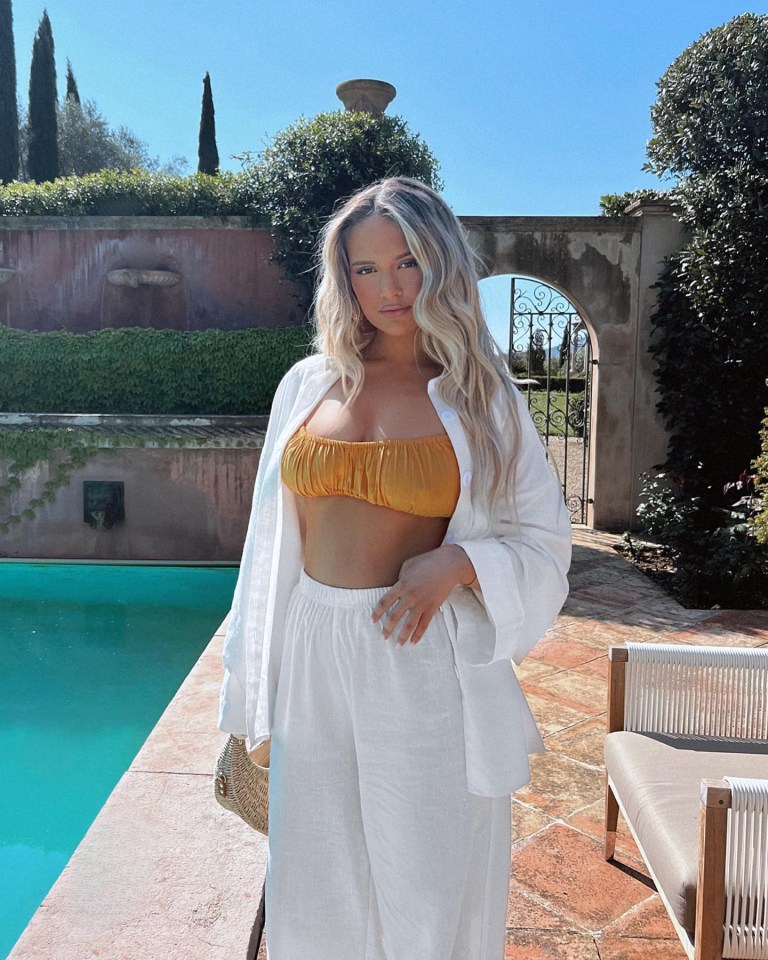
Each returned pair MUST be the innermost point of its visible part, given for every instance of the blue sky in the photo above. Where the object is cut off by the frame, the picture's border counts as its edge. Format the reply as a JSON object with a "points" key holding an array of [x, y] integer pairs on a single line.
{"points": [[532, 106]]}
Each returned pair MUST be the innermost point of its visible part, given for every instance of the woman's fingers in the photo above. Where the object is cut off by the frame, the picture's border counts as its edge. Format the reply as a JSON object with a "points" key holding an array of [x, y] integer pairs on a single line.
{"points": [[414, 629], [387, 603], [391, 610]]}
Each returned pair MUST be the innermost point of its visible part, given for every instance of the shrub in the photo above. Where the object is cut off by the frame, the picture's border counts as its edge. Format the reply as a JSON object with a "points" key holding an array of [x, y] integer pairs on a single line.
{"points": [[718, 559], [133, 193], [761, 484], [316, 162], [709, 336], [141, 370], [615, 204]]}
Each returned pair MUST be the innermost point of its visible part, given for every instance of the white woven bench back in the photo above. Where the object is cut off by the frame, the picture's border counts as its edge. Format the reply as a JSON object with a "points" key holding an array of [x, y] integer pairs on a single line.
{"points": [[697, 691], [746, 870]]}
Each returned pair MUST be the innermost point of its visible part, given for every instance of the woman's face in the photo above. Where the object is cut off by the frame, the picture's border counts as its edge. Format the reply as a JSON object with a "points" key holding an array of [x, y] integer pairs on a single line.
{"points": [[384, 276]]}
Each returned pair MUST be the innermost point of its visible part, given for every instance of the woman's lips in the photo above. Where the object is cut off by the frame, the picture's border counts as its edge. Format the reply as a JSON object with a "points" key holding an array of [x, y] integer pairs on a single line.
{"points": [[394, 310]]}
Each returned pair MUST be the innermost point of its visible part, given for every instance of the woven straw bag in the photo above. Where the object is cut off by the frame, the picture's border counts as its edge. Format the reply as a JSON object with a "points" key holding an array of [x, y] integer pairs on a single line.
{"points": [[241, 782]]}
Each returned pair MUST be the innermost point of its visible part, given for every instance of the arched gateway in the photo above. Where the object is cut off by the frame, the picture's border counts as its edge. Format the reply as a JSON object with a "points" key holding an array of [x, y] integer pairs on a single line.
{"points": [[607, 268]]}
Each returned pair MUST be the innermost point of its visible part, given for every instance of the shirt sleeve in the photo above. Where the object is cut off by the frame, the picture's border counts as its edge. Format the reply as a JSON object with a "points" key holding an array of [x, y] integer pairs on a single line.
{"points": [[521, 567], [233, 696]]}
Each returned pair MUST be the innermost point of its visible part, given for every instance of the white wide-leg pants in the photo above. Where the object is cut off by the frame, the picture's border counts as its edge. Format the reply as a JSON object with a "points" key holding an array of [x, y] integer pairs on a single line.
{"points": [[377, 851]]}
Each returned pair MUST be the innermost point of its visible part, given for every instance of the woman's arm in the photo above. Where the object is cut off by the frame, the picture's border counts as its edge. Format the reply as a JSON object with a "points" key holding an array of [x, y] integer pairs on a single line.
{"points": [[522, 569], [518, 571], [425, 581]]}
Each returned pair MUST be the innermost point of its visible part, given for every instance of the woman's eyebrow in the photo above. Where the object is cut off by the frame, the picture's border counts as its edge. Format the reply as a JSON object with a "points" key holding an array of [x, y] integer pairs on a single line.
{"points": [[401, 256]]}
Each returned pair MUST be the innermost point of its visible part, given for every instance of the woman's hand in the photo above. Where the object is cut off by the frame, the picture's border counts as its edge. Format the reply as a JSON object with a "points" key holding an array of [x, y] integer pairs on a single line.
{"points": [[424, 582]]}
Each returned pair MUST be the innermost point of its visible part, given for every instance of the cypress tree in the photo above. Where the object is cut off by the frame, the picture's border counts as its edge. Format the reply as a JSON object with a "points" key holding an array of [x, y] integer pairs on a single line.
{"points": [[73, 93], [9, 113], [43, 150], [208, 155]]}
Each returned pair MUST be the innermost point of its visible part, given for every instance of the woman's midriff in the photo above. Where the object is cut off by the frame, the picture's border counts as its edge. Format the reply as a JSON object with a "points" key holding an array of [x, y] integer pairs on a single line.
{"points": [[354, 544]]}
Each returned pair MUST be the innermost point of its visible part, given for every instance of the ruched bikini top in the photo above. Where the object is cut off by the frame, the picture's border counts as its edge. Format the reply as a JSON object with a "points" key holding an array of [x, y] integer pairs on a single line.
{"points": [[418, 476]]}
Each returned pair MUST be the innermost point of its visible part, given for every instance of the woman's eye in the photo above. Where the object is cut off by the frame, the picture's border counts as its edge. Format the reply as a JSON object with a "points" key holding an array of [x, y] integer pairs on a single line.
{"points": [[364, 271], [409, 263]]}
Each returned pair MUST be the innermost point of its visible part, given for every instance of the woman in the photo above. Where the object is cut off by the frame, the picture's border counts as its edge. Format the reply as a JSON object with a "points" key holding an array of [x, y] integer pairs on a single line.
{"points": [[407, 540]]}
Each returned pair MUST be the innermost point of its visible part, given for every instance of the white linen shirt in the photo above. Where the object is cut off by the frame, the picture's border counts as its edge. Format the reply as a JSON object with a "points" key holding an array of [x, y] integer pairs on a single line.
{"points": [[520, 559]]}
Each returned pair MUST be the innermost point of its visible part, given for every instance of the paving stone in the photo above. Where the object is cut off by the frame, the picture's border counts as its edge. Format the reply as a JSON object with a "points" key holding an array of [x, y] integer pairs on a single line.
{"points": [[526, 913], [560, 786], [625, 948], [594, 668], [190, 888], [648, 920], [550, 715], [575, 691], [561, 652], [566, 871], [530, 669], [546, 945], [527, 820], [583, 742], [591, 820], [601, 633]]}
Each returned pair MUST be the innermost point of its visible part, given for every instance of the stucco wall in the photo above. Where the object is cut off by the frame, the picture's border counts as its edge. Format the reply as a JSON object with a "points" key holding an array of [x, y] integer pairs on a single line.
{"points": [[60, 267], [607, 268], [180, 504]]}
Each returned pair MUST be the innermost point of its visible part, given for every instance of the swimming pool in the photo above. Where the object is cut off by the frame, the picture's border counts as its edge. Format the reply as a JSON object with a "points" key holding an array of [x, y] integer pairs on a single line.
{"points": [[90, 655]]}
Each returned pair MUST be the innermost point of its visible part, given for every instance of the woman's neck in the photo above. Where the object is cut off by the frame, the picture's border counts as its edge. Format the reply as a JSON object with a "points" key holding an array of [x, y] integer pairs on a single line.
{"points": [[400, 352]]}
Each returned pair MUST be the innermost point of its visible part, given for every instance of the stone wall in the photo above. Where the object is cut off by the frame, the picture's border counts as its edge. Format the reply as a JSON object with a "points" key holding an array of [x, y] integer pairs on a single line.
{"points": [[176, 273], [181, 503], [607, 267]]}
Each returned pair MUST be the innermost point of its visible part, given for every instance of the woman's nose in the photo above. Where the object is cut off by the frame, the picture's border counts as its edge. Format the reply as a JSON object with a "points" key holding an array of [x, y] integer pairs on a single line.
{"points": [[388, 284]]}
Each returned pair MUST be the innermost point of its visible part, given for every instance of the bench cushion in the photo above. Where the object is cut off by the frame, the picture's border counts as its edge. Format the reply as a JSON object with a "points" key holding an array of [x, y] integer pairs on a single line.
{"points": [[658, 780]]}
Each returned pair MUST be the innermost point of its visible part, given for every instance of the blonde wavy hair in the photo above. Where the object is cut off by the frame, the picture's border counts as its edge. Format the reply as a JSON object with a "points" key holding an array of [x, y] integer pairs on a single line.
{"points": [[452, 329]]}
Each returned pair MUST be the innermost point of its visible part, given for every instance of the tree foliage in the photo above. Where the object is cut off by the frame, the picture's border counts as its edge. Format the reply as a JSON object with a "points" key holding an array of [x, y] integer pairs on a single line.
{"points": [[207, 152], [9, 114], [316, 162], [710, 336], [711, 112], [88, 144], [72, 92], [42, 137]]}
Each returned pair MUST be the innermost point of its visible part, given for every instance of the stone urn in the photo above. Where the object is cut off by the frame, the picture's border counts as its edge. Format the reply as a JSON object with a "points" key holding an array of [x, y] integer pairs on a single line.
{"points": [[366, 96]]}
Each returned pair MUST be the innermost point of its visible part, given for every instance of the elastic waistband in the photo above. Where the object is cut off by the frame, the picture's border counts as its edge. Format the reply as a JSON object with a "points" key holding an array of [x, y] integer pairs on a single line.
{"points": [[339, 596]]}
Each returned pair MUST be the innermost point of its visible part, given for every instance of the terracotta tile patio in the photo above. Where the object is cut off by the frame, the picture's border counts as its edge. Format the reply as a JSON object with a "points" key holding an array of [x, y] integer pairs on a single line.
{"points": [[164, 872], [565, 900]]}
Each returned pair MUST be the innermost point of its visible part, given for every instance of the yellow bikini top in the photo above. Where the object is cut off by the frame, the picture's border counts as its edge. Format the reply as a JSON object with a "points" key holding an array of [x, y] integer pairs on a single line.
{"points": [[418, 476]]}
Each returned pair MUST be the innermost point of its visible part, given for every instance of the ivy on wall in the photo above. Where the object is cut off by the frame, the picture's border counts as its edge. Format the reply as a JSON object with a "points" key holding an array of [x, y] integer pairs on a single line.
{"points": [[142, 370], [22, 449]]}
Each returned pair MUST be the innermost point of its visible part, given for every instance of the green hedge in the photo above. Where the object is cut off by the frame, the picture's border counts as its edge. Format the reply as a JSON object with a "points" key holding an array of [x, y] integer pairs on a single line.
{"points": [[141, 370], [135, 193]]}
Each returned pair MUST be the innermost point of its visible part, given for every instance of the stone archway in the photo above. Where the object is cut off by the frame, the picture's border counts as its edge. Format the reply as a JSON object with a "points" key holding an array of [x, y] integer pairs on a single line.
{"points": [[548, 347], [606, 267]]}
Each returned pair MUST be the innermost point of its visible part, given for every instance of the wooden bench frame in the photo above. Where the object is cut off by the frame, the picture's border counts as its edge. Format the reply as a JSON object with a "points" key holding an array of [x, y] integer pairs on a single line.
{"points": [[715, 801]]}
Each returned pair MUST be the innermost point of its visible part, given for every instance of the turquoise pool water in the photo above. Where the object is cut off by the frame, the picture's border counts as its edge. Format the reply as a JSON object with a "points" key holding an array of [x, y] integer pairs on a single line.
{"points": [[90, 656]]}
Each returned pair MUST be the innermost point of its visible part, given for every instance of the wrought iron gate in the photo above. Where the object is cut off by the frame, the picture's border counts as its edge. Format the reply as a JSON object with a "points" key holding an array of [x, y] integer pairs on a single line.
{"points": [[550, 355]]}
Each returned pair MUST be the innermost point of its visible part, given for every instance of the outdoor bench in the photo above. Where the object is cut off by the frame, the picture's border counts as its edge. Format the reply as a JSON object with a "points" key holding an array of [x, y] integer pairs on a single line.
{"points": [[686, 759]]}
